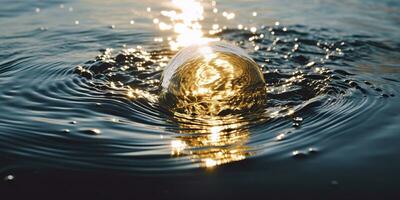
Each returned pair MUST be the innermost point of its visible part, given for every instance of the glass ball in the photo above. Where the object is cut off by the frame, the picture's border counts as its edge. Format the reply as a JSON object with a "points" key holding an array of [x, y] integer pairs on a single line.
{"points": [[212, 79]]}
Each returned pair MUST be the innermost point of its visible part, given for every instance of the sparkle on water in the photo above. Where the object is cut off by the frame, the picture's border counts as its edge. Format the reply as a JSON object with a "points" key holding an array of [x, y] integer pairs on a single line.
{"points": [[205, 83], [210, 82], [185, 22], [209, 86], [331, 92]]}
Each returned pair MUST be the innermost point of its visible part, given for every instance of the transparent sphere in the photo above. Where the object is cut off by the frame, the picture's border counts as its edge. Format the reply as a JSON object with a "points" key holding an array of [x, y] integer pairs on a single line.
{"points": [[212, 79]]}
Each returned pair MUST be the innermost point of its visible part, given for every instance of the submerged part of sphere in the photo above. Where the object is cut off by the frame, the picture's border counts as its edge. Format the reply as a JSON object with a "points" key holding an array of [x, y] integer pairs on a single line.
{"points": [[212, 79]]}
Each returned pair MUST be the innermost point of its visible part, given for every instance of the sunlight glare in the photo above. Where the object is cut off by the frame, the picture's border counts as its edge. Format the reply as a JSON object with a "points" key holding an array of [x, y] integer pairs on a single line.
{"points": [[185, 22]]}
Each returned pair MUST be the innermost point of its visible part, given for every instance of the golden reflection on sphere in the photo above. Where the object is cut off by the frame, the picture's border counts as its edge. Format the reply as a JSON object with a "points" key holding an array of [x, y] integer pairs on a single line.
{"points": [[212, 79]]}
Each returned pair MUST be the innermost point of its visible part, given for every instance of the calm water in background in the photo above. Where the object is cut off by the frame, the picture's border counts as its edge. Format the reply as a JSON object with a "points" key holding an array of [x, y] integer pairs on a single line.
{"points": [[343, 100]]}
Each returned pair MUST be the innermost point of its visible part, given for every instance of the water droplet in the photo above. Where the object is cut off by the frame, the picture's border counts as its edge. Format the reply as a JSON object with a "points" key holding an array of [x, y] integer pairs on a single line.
{"points": [[353, 84], [210, 162], [93, 131], [158, 39], [280, 137], [312, 150], [367, 83], [310, 64], [230, 16], [76, 22], [298, 154], [254, 14], [156, 21], [298, 119], [83, 72], [66, 131], [295, 47], [148, 9], [132, 22], [9, 177], [215, 26], [37, 10], [73, 122]]}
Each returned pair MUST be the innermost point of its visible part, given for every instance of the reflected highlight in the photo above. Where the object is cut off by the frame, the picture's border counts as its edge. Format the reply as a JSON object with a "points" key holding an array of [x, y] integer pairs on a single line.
{"points": [[212, 80], [211, 90], [185, 22], [212, 142]]}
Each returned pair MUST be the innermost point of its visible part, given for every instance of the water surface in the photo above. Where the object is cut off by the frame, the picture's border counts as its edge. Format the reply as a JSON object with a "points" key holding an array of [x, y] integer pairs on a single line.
{"points": [[79, 99]]}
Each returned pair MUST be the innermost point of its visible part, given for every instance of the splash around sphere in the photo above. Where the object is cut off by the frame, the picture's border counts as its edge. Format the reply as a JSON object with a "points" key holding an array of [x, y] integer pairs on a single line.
{"points": [[212, 79]]}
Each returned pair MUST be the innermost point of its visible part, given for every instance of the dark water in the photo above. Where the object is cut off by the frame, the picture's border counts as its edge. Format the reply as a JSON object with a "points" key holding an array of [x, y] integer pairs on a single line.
{"points": [[79, 109]]}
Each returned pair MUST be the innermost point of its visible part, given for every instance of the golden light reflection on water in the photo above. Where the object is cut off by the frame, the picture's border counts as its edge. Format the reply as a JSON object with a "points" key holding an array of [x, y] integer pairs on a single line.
{"points": [[185, 22], [212, 87], [212, 143], [210, 83]]}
